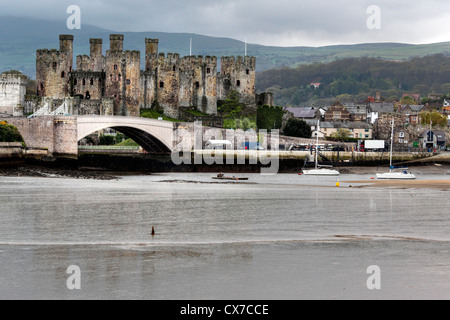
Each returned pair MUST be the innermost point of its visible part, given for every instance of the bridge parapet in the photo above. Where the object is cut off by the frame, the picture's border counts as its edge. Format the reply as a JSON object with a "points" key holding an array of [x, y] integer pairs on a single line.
{"points": [[60, 134]]}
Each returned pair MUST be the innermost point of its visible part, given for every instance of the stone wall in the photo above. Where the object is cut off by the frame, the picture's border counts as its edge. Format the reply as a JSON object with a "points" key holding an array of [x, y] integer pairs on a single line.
{"points": [[12, 94], [237, 137], [87, 84], [56, 134]]}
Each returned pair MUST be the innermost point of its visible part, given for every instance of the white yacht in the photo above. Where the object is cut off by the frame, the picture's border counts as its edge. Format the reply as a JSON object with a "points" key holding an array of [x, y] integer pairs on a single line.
{"points": [[318, 171], [403, 175]]}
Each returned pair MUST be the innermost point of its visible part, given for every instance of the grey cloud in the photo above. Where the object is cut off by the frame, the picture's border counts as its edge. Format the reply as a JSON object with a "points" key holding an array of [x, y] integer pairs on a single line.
{"points": [[281, 22]]}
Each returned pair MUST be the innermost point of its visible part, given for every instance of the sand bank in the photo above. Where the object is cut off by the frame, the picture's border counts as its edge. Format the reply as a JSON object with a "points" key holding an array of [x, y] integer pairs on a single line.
{"points": [[404, 184]]}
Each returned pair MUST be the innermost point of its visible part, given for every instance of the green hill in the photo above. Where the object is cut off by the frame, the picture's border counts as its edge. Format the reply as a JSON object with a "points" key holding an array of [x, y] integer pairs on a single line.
{"points": [[354, 79]]}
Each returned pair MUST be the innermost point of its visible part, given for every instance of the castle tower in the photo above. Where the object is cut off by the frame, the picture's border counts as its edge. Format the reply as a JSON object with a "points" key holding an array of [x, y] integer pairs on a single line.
{"points": [[12, 93], [122, 77], [151, 46], [238, 74], [53, 68], [131, 83], [66, 47], [116, 42], [209, 98], [198, 83], [168, 83], [151, 54], [96, 58]]}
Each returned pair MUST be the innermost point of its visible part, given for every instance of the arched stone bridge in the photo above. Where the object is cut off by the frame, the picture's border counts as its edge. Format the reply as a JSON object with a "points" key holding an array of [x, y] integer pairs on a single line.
{"points": [[153, 135], [60, 134]]}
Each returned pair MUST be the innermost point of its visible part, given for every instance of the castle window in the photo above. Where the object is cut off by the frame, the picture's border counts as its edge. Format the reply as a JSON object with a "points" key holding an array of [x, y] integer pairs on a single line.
{"points": [[92, 81], [100, 81], [120, 77], [75, 82], [128, 81], [247, 71], [54, 65], [197, 84], [110, 76], [84, 82], [115, 67], [208, 70], [63, 74], [238, 83], [174, 68], [161, 84], [88, 95]]}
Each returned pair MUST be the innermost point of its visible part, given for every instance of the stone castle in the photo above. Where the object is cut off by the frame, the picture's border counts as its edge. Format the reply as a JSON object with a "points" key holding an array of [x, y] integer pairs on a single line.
{"points": [[115, 84]]}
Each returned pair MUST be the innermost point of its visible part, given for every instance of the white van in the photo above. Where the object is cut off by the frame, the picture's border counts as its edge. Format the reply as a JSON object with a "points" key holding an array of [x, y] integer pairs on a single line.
{"points": [[218, 145]]}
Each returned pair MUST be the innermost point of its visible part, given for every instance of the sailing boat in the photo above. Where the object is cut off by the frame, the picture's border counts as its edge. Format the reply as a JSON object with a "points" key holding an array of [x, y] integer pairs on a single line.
{"points": [[404, 175], [320, 171]]}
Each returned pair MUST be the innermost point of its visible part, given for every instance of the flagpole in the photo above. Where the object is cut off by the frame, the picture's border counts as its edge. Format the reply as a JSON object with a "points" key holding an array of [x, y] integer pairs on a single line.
{"points": [[245, 47]]}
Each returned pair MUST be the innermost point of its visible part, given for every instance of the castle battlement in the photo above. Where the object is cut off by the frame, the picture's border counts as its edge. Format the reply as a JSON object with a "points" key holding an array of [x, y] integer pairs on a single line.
{"points": [[132, 54], [168, 80], [95, 41]]}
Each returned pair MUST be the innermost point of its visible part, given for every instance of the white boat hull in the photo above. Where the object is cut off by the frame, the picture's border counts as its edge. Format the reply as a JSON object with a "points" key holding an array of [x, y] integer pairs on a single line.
{"points": [[396, 175], [321, 172]]}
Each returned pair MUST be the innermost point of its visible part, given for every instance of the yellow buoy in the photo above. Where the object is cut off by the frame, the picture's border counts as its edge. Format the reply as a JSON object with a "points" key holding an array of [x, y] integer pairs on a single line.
{"points": [[338, 184]]}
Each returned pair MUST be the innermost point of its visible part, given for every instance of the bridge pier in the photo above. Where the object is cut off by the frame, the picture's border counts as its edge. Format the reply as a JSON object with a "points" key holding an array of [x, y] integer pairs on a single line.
{"points": [[56, 134]]}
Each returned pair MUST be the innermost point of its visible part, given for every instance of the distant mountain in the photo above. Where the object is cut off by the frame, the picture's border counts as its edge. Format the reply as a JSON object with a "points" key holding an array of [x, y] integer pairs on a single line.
{"points": [[21, 37]]}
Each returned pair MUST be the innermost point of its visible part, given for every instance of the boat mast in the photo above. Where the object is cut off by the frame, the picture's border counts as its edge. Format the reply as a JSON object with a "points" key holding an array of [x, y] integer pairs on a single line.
{"points": [[317, 144], [392, 145]]}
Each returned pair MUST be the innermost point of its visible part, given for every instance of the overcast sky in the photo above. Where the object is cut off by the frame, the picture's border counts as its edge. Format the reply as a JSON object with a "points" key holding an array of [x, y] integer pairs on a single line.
{"points": [[274, 22]]}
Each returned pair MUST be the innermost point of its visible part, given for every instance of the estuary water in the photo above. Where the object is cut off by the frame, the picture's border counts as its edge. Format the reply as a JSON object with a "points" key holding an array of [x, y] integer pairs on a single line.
{"points": [[275, 237]]}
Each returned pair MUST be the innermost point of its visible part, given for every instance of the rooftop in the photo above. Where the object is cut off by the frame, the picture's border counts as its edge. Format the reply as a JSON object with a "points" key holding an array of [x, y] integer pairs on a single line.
{"points": [[309, 113]]}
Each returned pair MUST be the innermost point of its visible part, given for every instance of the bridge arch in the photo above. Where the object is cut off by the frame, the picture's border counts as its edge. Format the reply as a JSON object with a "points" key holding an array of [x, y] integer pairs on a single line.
{"points": [[155, 136]]}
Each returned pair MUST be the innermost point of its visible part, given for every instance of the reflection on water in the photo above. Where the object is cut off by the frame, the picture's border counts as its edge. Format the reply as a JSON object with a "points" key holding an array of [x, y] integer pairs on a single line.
{"points": [[273, 237]]}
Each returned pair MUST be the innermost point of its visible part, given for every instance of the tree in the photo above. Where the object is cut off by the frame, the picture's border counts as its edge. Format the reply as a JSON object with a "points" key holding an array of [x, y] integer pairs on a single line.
{"points": [[297, 128], [245, 124], [269, 117], [408, 100], [107, 140], [9, 133], [341, 134], [427, 117], [231, 107]]}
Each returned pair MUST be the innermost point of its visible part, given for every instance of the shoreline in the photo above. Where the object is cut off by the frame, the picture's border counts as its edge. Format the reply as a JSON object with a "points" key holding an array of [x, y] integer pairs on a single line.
{"points": [[443, 185], [96, 173]]}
